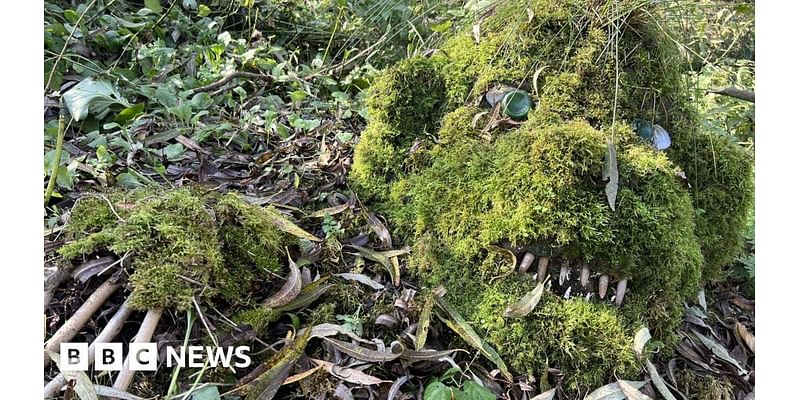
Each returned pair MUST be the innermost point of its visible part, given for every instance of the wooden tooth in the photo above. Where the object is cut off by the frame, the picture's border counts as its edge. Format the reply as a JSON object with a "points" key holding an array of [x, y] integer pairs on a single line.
{"points": [[541, 274], [563, 275], [621, 286], [526, 262], [602, 286], [585, 272]]}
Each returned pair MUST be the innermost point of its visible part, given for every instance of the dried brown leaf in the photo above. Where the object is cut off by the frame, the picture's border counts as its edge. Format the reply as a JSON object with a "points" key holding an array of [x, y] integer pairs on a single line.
{"points": [[424, 322], [266, 385], [612, 391], [548, 395], [659, 383], [362, 353], [380, 230], [363, 279], [748, 338], [289, 290], [329, 211], [632, 393], [349, 374], [640, 340]]}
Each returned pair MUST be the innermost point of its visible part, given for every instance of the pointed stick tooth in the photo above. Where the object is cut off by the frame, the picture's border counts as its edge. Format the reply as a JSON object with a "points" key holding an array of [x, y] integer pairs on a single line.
{"points": [[569, 290], [563, 275], [585, 272], [108, 333], [526, 262], [542, 272], [602, 286], [79, 319], [621, 286], [145, 333]]}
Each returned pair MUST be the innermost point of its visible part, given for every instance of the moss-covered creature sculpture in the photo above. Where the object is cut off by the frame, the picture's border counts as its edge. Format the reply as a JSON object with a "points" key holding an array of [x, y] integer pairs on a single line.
{"points": [[474, 192], [181, 244]]}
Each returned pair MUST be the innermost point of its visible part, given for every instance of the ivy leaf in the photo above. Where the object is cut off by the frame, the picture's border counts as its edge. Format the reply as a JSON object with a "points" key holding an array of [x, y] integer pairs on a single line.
{"points": [[439, 391], [477, 392], [92, 95]]}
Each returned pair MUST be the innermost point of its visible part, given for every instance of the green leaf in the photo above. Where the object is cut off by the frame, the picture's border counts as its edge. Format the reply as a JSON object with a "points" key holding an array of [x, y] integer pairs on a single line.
{"points": [[71, 16], [206, 393], [173, 151], [473, 391], [129, 113], [203, 10], [153, 5], [128, 180], [439, 391], [297, 96], [460, 326], [92, 95], [526, 304]]}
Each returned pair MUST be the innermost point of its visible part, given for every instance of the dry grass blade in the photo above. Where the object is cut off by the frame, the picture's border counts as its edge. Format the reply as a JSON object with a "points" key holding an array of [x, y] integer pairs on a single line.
{"points": [[307, 295], [612, 391], [289, 227], [536, 80], [349, 374], [526, 304], [265, 386], [658, 382], [719, 351], [424, 322], [548, 395], [290, 289], [611, 174], [363, 354], [380, 229], [388, 259], [107, 392], [640, 340], [426, 355], [363, 279], [632, 393], [329, 211], [303, 375], [460, 326]]}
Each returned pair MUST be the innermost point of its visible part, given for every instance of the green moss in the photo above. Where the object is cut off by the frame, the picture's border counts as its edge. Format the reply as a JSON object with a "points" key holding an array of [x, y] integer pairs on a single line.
{"points": [[258, 318], [182, 243], [704, 387], [540, 184]]}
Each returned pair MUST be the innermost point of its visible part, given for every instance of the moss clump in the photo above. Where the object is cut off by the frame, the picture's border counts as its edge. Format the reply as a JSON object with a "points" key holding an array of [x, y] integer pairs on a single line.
{"points": [[181, 243], [405, 104], [540, 184], [704, 387]]}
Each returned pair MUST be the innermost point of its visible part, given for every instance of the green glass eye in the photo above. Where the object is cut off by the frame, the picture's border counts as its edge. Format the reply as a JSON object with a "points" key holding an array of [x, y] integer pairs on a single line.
{"points": [[516, 104]]}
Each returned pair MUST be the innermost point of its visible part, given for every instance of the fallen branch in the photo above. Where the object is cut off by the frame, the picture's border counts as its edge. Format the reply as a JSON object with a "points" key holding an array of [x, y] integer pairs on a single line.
{"points": [[125, 377], [79, 319], [741, 94], [227, 78], [110, 331]]}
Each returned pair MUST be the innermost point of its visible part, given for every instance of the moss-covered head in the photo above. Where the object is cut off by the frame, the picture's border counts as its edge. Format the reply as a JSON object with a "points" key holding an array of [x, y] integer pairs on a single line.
{"points": [[181, 243]]}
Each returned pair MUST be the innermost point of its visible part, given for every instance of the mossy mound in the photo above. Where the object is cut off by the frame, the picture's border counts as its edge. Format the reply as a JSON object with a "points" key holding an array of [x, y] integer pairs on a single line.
{"points": [[181, 243], [539, 185]]}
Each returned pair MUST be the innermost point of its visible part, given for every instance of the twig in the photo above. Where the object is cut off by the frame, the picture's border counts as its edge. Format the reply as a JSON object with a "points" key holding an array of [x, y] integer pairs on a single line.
{"points": [[79, 319], [227, 78], [51, 184], [125, 377], [110, 331], [736, 93], [66, 44]]}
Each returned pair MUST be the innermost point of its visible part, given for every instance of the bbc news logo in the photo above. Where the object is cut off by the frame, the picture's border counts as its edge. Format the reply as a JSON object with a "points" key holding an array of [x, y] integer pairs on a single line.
{"points": [[144, 356]]}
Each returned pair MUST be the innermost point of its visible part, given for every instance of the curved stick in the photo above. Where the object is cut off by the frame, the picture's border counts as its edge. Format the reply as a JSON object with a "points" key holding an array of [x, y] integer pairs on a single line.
{"points": [[110, 331], [79, 319], [125, 377], [542, 272], [526, 262]]}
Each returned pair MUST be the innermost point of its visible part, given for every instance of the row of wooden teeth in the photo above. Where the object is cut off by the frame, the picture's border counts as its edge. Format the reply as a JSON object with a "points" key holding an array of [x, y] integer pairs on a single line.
{"points": [[563, 276]]}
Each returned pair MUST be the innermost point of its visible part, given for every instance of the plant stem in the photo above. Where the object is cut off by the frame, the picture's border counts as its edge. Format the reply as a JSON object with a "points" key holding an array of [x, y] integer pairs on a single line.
{"points": [[173, 385], [51, 184]]}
